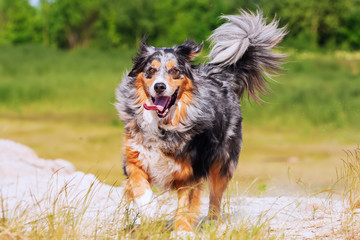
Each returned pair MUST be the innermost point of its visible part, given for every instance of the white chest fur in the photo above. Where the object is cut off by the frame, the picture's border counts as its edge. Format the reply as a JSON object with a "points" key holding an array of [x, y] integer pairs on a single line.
{"points": [[159, 167]]}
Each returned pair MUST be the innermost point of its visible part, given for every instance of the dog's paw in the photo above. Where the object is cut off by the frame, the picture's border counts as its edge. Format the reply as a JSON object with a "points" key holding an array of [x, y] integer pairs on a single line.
{"points": [[147, 205], [144, 199]]}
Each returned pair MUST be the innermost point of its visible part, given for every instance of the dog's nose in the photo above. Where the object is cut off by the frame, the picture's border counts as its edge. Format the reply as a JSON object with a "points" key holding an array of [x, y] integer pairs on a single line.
{"points": [[159, 87]]}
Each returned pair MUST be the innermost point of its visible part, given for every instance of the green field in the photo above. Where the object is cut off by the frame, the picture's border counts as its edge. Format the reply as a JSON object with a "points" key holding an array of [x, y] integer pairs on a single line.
{"points": [[61, 104]]}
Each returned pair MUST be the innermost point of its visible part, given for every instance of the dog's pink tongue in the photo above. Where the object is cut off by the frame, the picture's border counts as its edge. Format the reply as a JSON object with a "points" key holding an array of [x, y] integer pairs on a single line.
{"points": [[159, 104]]}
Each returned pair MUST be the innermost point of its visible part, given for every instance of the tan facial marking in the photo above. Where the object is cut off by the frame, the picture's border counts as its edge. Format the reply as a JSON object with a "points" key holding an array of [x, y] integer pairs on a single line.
{"points": [[155, 63], [170, 65], [184, 98], [141, 94], [185, 94]]}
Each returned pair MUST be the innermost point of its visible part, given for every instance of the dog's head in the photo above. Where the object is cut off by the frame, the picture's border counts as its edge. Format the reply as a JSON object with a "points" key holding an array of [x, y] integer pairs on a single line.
{"points": [[164, 76]]}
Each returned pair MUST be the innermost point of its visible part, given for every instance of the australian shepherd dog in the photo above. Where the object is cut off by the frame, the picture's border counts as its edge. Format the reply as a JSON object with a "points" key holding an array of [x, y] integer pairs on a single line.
{"points": [[183, 123]]}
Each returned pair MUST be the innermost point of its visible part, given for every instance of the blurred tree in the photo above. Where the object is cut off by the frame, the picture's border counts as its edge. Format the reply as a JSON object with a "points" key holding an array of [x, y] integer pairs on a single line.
{"points": [[118, 22], [123, 22], [18, 21], [349, 30], [110, 14], [70, 22], [310, 23], [111, 23], [176, 20]]}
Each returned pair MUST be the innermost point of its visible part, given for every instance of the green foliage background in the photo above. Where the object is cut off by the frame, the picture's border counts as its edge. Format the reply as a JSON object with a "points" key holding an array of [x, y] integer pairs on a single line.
{"points": [[311, 24], [38, 77]]}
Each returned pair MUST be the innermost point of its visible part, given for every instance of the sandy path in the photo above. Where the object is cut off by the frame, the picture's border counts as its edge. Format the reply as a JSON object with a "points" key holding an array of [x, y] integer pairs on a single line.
{"points": [[34, 185]]}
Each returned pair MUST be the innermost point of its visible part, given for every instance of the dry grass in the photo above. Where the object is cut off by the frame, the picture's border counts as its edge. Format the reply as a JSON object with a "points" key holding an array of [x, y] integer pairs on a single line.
{"points": [[72, 221], [349, 175]]}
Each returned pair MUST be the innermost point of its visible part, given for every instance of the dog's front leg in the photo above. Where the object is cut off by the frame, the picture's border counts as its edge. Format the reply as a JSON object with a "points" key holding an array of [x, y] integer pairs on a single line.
{"points": [[188, 207], [137, 186]]}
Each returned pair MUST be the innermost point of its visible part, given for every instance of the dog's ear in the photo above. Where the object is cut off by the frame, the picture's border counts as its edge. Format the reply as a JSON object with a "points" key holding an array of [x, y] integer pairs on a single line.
{"points": [[140, 60], [144, 48], [189, 49]]}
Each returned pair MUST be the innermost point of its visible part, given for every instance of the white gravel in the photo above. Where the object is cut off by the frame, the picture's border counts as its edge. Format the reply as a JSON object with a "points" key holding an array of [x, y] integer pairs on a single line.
{"points": [[38, 186]]}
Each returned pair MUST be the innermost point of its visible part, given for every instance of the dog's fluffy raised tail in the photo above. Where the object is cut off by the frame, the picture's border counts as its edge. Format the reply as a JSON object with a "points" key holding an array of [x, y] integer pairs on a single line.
{"points": [[242, 46]]}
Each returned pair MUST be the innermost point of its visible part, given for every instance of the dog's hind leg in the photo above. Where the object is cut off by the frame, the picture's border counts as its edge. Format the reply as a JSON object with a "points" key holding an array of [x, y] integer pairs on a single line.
{"points": [[217, 185], [188, 207]]}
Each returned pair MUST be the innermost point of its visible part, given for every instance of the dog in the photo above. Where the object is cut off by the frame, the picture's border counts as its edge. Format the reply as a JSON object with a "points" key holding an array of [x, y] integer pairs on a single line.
{"points": [[183, 123]]}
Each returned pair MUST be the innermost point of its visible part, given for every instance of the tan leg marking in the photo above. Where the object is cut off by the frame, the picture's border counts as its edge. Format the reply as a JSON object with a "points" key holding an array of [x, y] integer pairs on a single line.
{"points": [[217, 186], [188, 207], [180, 177], [138, 181]]}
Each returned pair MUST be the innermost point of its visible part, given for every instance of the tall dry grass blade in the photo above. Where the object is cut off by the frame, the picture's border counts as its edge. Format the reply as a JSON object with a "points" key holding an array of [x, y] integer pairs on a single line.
{"points": [[350, 175]]}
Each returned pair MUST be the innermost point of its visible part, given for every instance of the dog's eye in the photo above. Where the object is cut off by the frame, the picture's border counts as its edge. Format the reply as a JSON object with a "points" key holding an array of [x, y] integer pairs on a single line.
{"points": [[150, 71], [175, 72]]}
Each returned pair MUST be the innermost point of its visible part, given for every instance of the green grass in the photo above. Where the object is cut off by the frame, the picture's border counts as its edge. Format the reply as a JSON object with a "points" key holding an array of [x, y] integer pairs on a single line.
{"points": [[315, 90], [320, 91], [42, 81]]}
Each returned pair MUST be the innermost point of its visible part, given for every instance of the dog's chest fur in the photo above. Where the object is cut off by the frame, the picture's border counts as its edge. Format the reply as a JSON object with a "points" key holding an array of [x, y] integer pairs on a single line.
{"points": [[160, 167]]}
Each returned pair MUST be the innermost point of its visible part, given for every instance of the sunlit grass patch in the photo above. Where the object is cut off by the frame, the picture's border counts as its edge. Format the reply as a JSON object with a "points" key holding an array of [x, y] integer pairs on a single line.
{"points": [[67, 208], [350, 176], [47, 80], [316, 90], [60, 217]]}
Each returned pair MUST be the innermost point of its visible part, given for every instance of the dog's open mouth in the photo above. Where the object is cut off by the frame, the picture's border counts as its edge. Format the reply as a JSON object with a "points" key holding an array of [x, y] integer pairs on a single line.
{"points": [[162, 104]]}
